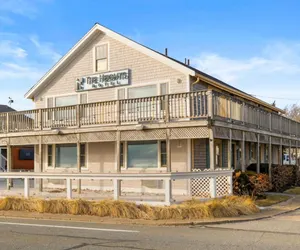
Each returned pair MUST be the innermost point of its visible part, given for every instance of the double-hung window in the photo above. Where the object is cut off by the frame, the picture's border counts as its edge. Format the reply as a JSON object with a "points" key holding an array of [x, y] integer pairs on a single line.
{"points": [[101, 52]]}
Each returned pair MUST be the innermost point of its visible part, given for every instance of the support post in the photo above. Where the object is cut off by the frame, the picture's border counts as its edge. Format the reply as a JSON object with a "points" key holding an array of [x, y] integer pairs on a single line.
{"points": [[270, 158], [229, 157], [117, 187], [168, 191], [40, 163], [118, 113], [78, 115], [117, 192], [258, 155], [26, 188], [211, 149], [78, 163], [8, 163], [230, 185], [290, 150], [296, 160], [213, 188], [167, 108], [210, 110], [243, 155], [69, 188], [168, 149], [280, 152]]}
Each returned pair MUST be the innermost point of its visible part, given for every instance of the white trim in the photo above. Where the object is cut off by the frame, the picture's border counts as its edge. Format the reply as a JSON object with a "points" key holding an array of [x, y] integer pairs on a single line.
{"points": [[96, 28]]}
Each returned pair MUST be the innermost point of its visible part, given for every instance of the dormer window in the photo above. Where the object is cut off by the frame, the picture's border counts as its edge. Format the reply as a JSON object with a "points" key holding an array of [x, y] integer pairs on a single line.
{"points": [[101, 57]]}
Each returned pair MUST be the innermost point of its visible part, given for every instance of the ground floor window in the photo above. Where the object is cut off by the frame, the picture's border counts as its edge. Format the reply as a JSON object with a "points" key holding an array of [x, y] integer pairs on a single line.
{"points": [[142, 155], [65, 155]]}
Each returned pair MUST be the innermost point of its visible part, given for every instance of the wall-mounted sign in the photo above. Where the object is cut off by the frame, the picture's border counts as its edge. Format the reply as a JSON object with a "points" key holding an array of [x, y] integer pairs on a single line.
{"points": [[105, 80]]}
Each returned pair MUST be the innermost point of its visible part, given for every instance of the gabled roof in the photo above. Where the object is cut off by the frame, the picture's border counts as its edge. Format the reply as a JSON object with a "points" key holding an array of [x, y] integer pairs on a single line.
{"points": [[178, 65], [96, 28], [5, 108]]}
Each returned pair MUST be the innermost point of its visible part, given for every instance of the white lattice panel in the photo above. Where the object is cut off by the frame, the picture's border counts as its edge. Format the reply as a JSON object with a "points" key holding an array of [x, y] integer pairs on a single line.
{"points": [[222, 186], [200, 187]]}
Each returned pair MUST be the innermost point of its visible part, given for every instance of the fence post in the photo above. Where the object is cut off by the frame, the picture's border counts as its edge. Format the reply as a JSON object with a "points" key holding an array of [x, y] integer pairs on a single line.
{"points": [[78, 115], [117, 189], [230, 185], [69, 188], [118, 112], [167, 108], [213, 188], [210, 110], [26, 188], [168, 191]]}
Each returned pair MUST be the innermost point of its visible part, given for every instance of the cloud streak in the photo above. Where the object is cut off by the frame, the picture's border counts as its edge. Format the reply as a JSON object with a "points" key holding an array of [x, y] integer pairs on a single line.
{"points": [[273, 73]]}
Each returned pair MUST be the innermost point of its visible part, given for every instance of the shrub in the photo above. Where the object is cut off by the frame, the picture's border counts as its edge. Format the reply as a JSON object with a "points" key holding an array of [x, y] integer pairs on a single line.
{"points": [[193, 209], [250, 183], [261, 184], [242, 184], [284, 177]]}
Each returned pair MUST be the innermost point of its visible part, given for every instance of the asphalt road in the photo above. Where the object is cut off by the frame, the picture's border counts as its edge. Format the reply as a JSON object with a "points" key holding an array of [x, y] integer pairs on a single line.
{"points": [[282, 232]]}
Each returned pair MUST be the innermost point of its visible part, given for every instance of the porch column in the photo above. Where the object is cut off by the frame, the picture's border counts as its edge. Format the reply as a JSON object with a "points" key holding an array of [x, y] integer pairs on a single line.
{"points": [[117, 183], [8, 164], [270, 158], [78, 163], [229, 156], [168, 183], [258, 155], [296, 153], [280, 152], [290, 150], [40, 163], [243, 152], [168, 149], [211, 149]]}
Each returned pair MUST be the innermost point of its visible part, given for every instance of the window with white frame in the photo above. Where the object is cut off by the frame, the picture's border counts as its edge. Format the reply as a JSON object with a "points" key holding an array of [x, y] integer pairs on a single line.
{"points": [[101, 56], [65, 155]]}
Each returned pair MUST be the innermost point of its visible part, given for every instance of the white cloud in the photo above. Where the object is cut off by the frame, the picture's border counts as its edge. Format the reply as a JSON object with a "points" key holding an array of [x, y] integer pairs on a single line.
{"points": [[6, 20], [10, 48], [274, 72], [26, 8], [45, 48]]}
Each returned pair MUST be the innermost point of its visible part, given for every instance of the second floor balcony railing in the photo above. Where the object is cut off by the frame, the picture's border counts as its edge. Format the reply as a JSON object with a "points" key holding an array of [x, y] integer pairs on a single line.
{"points": [[177, 107], [165, 108]]}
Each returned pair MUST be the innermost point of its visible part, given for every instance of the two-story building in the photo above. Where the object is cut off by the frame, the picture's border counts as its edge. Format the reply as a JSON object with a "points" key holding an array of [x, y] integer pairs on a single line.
{"points": [[113, 105]]}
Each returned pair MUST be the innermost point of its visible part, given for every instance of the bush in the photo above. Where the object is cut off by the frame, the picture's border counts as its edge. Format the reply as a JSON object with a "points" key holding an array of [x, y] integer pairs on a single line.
{"points": [[193, 209], [284, 177], [250, 183], [242, 184]]}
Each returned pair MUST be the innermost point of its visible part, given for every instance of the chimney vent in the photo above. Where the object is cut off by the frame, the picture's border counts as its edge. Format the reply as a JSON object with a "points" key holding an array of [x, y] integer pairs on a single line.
{"points": [[166, 51]]}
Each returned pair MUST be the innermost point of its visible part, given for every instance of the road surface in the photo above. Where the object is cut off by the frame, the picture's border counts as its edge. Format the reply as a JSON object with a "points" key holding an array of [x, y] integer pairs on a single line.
{"points": [[282, 232]]}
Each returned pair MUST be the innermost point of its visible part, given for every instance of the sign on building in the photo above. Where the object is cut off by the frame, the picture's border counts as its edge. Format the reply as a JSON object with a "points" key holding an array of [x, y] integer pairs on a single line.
{"points": [[105, 80]]}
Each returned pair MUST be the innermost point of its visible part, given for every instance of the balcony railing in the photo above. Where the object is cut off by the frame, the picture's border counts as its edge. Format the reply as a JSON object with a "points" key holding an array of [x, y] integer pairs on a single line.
{"points": [[233, 110], [165, 108]]}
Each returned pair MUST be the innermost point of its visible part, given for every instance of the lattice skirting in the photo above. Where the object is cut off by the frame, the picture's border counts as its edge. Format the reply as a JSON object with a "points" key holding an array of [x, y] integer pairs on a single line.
{"points": [[201, 187]]}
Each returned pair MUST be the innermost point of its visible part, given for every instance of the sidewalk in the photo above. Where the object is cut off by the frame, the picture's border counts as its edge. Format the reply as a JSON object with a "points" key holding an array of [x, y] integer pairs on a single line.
{"points": [[285, 207]]}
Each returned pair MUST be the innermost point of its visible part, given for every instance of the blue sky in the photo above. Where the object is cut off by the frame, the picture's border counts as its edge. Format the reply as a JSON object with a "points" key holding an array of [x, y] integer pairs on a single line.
{"points": [[253, 45]]}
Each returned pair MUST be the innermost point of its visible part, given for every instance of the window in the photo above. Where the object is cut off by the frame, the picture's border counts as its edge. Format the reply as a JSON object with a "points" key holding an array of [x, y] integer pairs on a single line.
{"points": [[66, 156], [163, 153], [142, 154], [163, 91], [26, 154], [50, 155], [101, 58], [82, 156], [66, 100], [217, 155], [144, 91]]}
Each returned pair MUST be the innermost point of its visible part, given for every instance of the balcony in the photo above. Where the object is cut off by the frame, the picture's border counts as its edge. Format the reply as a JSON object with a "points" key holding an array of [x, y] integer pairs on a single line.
{"points": [[181, 107], [155, 109]]}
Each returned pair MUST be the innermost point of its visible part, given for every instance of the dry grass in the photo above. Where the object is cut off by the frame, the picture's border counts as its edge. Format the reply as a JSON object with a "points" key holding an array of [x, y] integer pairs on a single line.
{"points": [[271, 200], [295, 190], [226, 207]]}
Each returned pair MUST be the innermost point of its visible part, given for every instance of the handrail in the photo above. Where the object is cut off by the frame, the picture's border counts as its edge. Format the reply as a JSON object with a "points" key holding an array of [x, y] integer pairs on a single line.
{"points": [[214, 185]]}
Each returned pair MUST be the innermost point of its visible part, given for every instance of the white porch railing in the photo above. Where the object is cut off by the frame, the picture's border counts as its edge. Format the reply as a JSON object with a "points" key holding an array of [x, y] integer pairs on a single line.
{"points": [[117, 178]]}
